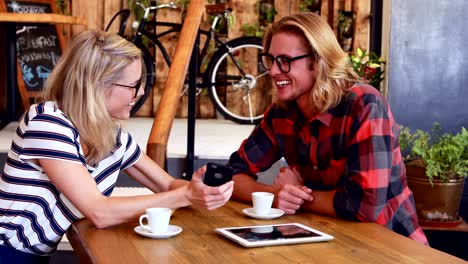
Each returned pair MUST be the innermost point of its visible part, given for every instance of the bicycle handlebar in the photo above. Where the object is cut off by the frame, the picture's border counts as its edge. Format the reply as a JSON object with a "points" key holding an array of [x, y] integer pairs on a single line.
{"points": [[147, 10]]}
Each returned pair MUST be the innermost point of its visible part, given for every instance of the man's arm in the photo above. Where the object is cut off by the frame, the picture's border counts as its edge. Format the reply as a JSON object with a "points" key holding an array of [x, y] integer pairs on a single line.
{"points": [[287, 197], [245, 185], [322, 203], [293, 195]]}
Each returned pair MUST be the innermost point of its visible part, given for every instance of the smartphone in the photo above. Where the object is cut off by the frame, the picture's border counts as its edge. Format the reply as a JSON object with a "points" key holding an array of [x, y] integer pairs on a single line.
{"points": [[217, 174]]}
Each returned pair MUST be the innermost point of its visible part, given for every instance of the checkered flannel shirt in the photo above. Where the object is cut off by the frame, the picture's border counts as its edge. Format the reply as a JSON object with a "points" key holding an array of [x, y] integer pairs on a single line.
{"points": [[352, 148]]}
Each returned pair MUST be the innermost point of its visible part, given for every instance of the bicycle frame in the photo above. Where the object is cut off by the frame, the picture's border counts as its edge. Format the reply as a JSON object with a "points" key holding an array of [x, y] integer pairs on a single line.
{"points": [[173, 28], [144, 32], [238, 82]]}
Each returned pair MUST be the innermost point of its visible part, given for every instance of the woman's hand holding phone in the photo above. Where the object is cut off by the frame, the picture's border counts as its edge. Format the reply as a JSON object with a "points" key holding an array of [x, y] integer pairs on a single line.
{"points": [[209, 197], [217, 174]]}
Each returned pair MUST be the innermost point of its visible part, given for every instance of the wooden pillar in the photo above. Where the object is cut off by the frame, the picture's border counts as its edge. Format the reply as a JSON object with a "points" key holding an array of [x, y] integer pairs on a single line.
{"points": [[157, 143]]}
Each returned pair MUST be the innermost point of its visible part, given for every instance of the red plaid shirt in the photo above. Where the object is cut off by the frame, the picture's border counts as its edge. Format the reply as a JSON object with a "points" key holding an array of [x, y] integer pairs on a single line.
{"points": [[352, 148]]}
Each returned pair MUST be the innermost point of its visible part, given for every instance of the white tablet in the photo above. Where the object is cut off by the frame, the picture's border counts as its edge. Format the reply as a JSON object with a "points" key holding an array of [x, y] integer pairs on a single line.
{"points": [[273, 235]]}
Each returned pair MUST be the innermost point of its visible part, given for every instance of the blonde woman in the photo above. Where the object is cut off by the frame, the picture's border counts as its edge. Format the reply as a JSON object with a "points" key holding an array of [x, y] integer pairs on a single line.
{"points": [[337, 135], [69, 149]]}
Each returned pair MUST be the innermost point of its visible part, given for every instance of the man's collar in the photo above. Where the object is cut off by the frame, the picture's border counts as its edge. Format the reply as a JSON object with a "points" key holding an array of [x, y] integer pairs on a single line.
{"points": [[325, 118]]}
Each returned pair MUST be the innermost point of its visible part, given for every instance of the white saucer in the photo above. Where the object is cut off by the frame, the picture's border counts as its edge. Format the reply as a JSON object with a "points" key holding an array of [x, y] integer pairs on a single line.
{"points": [[274, 213], [172, 230]]}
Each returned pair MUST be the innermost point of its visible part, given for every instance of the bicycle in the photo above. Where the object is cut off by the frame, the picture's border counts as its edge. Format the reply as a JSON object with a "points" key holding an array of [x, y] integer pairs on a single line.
{"points": [[234, 76]]}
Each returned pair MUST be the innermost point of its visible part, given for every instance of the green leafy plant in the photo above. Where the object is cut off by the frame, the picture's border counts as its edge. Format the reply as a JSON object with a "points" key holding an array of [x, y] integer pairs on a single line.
{"points": [[266, 15], [62, 6], [309, 5], [253, 30], [345, 24], [444, 155], [369, 66]]}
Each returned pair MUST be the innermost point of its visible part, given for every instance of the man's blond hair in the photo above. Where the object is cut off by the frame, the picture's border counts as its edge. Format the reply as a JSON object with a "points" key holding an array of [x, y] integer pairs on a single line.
{"points": [[334, 73]]}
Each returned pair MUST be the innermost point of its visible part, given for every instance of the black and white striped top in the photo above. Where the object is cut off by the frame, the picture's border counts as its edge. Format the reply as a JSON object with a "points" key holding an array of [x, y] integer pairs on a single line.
{"points": [[34, 215]]}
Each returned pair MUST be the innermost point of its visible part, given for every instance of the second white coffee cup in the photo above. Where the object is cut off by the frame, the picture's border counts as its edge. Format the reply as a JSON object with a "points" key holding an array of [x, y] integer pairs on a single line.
{"points": [[262, 202], [158, 219]]}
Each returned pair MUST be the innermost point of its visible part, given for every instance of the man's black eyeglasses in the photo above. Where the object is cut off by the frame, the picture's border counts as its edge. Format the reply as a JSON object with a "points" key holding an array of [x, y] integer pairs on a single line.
{"points": [[136, 87], [283, 62]]}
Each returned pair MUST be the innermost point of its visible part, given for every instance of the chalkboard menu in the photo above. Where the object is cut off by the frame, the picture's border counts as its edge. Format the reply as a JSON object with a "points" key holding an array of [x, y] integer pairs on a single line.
{"points": [[38, 47]]}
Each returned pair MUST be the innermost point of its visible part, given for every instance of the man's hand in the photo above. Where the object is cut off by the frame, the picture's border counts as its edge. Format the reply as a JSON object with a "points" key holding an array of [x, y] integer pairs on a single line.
{"points": [[289, 198], [288, 176], [291, 192]]}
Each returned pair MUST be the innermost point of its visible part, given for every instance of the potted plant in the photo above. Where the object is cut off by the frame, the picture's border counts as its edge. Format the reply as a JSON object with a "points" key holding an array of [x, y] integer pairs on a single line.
{"points": [[436, 168], [369, 66]]}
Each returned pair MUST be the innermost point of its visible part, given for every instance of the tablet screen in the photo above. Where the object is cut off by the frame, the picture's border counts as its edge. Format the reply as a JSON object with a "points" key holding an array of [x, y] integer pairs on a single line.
{"points": [[277, 234], [273, 232]]}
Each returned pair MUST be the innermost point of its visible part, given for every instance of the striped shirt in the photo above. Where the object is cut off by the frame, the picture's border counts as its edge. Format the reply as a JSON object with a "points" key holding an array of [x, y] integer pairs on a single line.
{"points": [[34, 214], [352, 148]]}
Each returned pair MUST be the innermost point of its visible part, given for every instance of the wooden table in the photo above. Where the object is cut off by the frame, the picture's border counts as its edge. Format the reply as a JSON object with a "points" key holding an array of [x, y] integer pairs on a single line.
{"points": [[198, 243]]}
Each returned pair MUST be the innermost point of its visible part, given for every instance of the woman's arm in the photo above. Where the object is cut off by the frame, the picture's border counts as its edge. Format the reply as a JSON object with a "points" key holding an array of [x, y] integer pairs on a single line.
{"points": [[103, 211], [149, 174]]}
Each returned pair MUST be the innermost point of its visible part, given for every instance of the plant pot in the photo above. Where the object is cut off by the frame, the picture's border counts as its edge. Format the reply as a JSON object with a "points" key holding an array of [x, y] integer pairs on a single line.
{"points": [[437, 202]]}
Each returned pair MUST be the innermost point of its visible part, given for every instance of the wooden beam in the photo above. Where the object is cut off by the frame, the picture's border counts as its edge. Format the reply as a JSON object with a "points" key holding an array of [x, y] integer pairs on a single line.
{"points": [[41, 18], [386, 42], [157, 143], [294, 6], [362, 24], [110, 8], [283, 8], [334, 19], [324, 9], [329, 11], [348, 5]]}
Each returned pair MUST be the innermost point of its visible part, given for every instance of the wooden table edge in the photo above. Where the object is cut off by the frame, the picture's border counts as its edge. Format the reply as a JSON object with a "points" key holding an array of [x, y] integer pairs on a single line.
{"points": [[80, 249]]}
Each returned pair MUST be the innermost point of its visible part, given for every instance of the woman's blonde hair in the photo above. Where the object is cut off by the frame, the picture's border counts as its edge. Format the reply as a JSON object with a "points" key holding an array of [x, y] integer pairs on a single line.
{"points": [[90, 64], [334, 73]]}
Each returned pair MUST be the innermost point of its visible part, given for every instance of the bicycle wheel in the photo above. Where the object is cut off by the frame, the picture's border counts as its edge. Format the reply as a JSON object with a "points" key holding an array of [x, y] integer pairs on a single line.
{"points": [[149, 80], [237, 83]]}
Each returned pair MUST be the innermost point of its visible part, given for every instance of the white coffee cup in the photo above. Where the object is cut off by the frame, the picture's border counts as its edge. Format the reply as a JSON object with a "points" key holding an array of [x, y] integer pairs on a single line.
{"points": [[262, 202], [158, 219]]}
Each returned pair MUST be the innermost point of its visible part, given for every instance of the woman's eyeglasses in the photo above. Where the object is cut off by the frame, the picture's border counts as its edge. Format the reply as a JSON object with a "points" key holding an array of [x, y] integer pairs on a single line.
{"points": [[283, 62], [136, 87]]}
